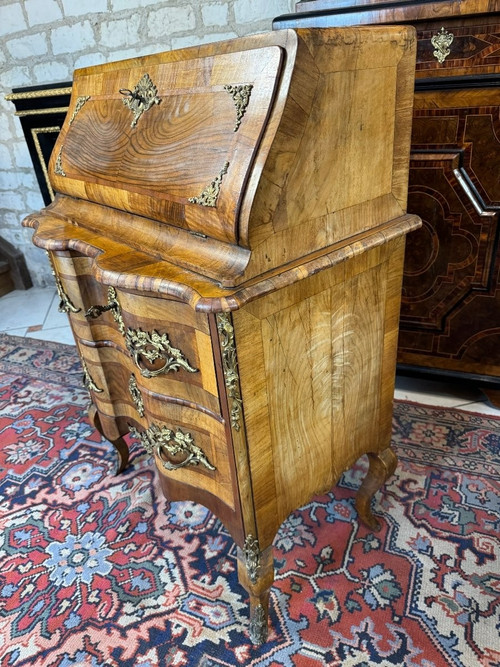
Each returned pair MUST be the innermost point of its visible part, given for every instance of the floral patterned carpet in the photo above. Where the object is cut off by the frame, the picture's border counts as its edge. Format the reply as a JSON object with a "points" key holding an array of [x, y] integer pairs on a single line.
{"points": [[99, 570]]}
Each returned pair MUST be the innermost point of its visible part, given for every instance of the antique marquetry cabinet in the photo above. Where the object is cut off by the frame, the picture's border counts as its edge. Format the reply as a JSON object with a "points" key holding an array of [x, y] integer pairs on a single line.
{"points": [[450, 316], [228, 239]]}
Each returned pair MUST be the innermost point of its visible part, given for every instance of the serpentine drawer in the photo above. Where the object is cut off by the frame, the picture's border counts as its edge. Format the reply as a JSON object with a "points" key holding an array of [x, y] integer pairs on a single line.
{"points": [[165, 344]]}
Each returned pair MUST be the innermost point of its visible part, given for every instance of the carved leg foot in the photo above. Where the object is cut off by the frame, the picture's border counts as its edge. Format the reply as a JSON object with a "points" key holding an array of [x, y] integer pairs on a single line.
{"points": [[256, 574], [382, 466], [114, 438]]}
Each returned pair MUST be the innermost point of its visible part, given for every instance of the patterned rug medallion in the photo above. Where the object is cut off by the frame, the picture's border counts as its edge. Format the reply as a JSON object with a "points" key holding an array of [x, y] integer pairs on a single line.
{"points": [[99, 570]]}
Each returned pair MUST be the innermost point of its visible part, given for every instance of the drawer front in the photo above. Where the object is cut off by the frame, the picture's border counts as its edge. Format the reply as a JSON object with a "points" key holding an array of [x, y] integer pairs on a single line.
{"points": [[190, 448], [164, 343], [118, 391]]}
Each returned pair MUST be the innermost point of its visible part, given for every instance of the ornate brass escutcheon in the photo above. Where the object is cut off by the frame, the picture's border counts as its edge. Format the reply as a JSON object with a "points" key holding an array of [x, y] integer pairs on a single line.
{"points": [[96, 311], [154, 347], [158, 440], [88, 381], [65, 303], [441, 42], [141, 99], [80, 101], [58, 168]]}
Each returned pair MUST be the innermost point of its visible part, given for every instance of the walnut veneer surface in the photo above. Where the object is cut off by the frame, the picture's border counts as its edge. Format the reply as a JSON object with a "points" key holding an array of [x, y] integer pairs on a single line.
{"points": [[450, 316], [228, 240]]}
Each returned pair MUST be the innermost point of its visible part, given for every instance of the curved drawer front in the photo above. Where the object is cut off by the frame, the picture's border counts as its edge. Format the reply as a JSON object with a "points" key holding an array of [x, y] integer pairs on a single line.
{"points": [[189, 444], [165, 344], [79, 291], [170, 349], [127, 390], [190, 448]]}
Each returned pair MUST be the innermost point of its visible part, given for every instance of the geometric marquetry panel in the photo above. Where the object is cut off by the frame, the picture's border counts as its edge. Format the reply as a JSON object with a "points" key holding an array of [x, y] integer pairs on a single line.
{"points": [[450, 314]]}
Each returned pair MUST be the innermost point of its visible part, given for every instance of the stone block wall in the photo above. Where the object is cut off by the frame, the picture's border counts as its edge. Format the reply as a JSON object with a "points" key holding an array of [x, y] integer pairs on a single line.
{"points": [[43, 41]]}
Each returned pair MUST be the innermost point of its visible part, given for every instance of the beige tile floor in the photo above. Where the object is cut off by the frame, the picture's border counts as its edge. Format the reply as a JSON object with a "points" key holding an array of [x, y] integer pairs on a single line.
{"points": [[34, 313]]}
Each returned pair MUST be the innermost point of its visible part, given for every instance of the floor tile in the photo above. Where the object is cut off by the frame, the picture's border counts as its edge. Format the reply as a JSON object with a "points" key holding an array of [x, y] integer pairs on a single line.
{"points": [[55, 318], [18, 332], [436, 392], [24, 308], [58, 335], [482, 407]]}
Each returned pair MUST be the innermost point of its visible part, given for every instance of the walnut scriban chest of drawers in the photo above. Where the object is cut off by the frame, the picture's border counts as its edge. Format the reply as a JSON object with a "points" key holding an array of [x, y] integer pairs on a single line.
{"points": [[227, 240], [450, 315]]}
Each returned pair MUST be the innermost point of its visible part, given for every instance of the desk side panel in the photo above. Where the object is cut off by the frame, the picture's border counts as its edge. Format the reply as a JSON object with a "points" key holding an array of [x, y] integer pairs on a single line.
{"points": [[317, 364]]}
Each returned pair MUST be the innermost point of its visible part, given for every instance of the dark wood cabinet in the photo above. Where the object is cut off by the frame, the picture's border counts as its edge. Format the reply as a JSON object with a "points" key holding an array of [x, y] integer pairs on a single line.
{"points": [[41, 111], [450, 315]]}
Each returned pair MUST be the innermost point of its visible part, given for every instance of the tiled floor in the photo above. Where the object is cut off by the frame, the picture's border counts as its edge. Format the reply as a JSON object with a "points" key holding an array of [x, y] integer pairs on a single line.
{"points": [[34, 313]]}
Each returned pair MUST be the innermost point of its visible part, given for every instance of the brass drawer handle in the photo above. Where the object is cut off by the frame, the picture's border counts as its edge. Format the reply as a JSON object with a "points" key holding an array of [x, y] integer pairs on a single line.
{"points": [[96, 311], [152, 347], [162, 440], [441, 42]]}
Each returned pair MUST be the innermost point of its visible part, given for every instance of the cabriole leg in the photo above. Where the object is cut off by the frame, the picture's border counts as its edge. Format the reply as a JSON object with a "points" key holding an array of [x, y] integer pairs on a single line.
{"points": [[382, 466], [114, 438], [256, 575]]}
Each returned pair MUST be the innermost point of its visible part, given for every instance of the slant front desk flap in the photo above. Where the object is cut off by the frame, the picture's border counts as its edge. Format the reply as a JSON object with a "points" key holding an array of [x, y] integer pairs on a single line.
{"points": [[228, 241], [243, 144]]}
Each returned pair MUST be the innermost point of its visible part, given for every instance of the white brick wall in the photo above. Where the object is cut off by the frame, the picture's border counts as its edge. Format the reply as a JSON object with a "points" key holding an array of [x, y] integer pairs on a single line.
{"points": [[12, 19], [43, 41], [38, 12]]}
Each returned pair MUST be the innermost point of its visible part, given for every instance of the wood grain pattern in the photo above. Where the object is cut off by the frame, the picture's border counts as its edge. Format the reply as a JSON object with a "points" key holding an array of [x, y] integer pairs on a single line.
{"points": [[312, 377], [284, 313]]}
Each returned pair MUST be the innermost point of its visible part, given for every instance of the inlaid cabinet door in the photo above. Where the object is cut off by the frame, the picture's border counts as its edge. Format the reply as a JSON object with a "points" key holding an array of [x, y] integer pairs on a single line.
{"points": [[450, 316]]}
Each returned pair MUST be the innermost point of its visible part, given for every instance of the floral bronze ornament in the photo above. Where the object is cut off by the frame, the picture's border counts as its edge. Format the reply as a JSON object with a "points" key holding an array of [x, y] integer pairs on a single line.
{"points": [[65, 303], [136, 395], [258, 625], [157, 440], [141, 99], [241, 98], [154, 347], [442, 42], [230, 366], [88, 382], [80, 101], [251, 553], [58, 168], [210, 194]]}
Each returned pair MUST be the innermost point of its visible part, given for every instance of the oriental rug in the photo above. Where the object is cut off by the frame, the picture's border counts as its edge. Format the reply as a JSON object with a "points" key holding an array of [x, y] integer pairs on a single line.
{"points": [[100, 570]]}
